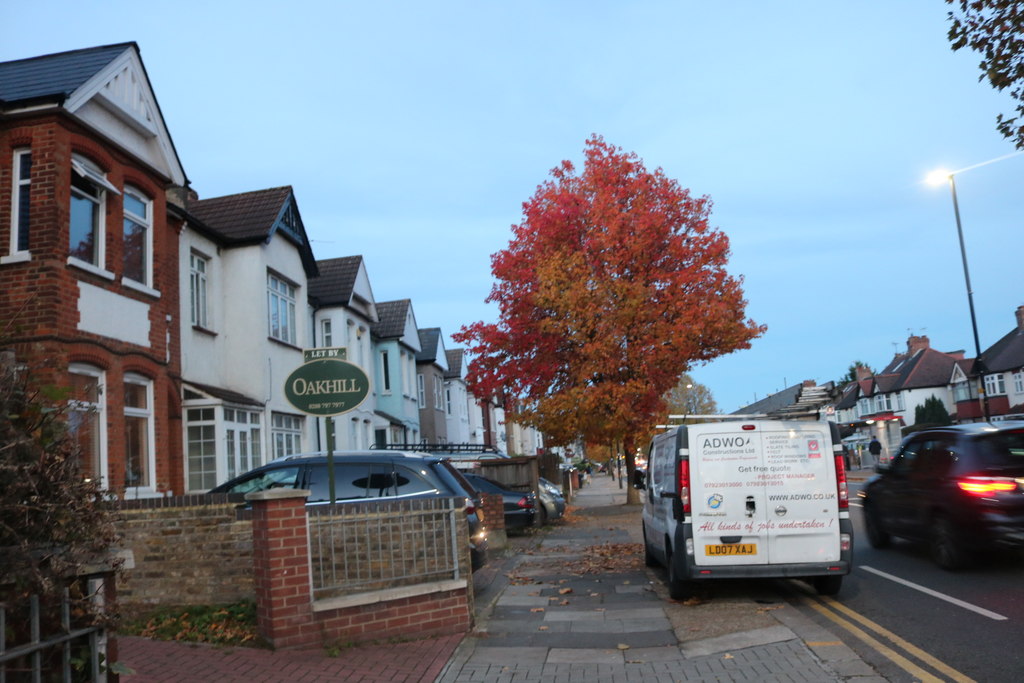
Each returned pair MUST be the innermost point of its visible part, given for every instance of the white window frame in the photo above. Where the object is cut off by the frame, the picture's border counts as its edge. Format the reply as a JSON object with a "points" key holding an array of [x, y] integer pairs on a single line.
{"points": [[438, 394], [143, 223], [99, 409], [194, 418], [90, 174], [421, 391], [995, 385], [21, 184], [145, 413], [281, 298], [326, 333], [243, 439], [286, 434], [1018, 382], [198, 289]]}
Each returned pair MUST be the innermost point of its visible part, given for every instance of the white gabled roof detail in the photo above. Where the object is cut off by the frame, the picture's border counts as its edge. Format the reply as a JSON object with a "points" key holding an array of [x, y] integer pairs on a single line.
{"points": [[119, 102]]}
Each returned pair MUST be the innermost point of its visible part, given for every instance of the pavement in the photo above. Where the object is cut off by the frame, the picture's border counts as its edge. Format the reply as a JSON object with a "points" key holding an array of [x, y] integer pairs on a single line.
{"points": [[572, 602]]}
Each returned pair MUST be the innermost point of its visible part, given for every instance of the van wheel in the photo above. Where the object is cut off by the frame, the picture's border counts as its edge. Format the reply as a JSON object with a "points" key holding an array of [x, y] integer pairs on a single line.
{"points": [[649, 559], [828, 585], [947, 550], [678, 589], [878, 537]]}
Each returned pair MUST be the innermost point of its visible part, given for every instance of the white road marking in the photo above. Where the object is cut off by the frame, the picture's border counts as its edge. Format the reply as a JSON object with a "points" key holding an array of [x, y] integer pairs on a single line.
{"points": [[935, 594]]}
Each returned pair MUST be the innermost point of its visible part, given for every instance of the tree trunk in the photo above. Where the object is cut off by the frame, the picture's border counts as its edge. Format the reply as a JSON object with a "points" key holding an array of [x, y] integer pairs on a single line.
{"points": [[632, 494]]}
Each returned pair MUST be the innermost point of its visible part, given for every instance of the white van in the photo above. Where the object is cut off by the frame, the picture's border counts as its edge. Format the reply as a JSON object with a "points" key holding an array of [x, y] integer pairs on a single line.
{"points": [[748, 498]]}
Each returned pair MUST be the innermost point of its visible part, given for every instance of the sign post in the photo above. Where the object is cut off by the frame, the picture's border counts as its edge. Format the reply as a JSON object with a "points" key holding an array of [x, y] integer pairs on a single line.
{"points": [[326, 385]]}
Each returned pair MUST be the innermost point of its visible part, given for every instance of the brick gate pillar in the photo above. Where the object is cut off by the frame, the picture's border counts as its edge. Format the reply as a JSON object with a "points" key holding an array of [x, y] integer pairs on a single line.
{"points": [[281, 572]]}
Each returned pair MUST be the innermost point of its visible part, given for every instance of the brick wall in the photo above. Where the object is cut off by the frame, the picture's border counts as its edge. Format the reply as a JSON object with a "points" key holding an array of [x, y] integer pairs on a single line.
{"points": [[287, 614], [187, 551]]}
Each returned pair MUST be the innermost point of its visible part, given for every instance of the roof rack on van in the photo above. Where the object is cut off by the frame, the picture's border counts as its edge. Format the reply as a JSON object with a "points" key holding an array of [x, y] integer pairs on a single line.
{"points": [[437, 447]]}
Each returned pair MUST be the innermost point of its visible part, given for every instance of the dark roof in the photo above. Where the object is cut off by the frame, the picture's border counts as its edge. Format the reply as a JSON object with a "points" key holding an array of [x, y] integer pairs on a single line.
{"points": [[244, 217], [848, 397], [921, 369], [253, 217], [454, 357], [1005, 354], [55, 77], [429, 338], [768, 404], [392, 319], [336, 281]]}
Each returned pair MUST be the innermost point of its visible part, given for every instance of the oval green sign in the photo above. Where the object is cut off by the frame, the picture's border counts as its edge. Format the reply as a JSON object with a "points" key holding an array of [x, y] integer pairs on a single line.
{"points": [[327, 387]]}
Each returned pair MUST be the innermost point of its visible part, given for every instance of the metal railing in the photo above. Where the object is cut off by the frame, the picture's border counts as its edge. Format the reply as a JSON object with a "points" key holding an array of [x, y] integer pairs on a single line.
{"points": [[68, 653], [362, 547]]}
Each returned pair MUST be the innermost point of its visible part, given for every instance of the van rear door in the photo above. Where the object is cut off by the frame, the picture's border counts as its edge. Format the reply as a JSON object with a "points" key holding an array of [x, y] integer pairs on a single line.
{"points": [[764, 492]]}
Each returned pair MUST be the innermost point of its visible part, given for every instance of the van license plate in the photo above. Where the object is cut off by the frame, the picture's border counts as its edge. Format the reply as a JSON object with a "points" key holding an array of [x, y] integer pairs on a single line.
{"points": [[731, 549]]}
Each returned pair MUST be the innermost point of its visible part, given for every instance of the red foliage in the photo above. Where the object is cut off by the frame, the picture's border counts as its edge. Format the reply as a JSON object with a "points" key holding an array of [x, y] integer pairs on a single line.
{"points": [[612, 286]]}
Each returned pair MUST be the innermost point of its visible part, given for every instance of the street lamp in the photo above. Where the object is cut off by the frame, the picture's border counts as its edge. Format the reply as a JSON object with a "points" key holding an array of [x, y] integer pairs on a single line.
{"points": [[937, 178]]}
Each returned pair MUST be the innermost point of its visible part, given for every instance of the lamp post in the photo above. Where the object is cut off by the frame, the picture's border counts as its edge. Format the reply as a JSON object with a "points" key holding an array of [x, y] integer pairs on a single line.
{"points": [[937, 178]]}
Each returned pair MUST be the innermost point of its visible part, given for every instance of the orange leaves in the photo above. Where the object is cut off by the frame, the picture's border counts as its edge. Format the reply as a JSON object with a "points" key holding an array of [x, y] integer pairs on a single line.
{"points": [[613, 285]]}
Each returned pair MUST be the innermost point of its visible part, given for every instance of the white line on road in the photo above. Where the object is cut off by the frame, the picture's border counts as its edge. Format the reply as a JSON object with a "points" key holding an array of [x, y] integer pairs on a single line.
{"points": [[935, 594]]}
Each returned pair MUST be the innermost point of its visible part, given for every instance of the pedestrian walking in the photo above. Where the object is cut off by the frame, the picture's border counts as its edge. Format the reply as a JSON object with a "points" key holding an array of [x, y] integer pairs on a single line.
{"points": [[875, 449]]}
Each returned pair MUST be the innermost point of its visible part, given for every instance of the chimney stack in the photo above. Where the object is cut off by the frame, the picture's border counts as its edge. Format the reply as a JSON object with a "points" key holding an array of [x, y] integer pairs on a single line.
{"points": [[915, 344], [1020, 318], [863, 372]]}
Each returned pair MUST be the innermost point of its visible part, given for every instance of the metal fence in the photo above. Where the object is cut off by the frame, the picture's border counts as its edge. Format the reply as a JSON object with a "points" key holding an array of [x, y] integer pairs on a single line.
{"points": [[44, 643], [361, 547]]}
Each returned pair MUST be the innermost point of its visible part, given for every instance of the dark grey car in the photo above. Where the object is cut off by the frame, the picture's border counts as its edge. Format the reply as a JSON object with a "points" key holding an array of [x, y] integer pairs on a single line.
{"points": [[958, 488], [368, 475]]}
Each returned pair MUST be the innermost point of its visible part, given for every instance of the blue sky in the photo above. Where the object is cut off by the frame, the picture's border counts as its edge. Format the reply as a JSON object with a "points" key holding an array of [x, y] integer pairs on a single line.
{"points": [[413, 131]]}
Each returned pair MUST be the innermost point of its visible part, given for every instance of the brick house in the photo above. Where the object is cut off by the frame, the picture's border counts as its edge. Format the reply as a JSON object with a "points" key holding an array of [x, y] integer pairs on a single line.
{"points": [[1004, 378], [89, 255]]}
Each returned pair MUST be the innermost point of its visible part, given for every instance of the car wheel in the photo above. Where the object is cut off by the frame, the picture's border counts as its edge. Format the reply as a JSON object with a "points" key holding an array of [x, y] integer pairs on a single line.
{"points": [[828, 585], [878, 537], [542, 515], [947, 549], [678, 588]]}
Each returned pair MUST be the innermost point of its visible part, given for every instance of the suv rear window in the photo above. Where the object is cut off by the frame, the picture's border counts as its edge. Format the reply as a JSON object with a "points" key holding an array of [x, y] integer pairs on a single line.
{"points": [[1002, 449]]}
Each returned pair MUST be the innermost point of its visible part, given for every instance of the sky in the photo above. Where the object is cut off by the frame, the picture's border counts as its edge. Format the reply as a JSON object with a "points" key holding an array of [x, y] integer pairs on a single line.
{"points": [[412, 133]]}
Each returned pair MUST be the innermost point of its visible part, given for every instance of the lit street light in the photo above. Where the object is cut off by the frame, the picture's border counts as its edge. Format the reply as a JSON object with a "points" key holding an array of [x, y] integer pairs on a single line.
{"points": [[937, 178]]}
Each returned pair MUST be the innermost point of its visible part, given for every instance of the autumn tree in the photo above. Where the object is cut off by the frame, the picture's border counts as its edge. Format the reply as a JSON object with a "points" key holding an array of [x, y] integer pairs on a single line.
{"points": [[611, 287], [689, 397], [995, 29]]}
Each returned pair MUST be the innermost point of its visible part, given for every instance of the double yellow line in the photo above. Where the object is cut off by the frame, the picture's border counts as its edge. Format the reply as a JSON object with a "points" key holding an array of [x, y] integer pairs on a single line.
{"points": [[853, 622]]}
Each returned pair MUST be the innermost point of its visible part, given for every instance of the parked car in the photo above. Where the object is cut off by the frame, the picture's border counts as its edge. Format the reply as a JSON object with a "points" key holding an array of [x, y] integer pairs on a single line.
{"points": [[959, 488], [552, 502], [375, 475], [519, 506]]}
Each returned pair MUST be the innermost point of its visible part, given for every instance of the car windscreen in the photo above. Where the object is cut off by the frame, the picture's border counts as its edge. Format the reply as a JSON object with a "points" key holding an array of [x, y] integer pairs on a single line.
{"points": [[279, 477]]}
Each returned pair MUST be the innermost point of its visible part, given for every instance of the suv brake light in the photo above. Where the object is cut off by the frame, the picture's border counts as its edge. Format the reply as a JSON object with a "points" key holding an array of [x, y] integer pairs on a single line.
{"points": [[684, 484], [470, 506], [524, 502], [986, 486], [842, 490]]}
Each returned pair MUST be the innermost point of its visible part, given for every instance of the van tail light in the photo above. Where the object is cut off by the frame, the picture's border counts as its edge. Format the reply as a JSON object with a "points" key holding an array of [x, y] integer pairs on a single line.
{"points": [[842, 489], [986, 486], [524, 503], [470, 506], [684, 485]]}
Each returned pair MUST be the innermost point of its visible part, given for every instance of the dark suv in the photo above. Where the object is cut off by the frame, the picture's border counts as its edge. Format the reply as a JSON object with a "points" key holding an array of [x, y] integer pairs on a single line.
{"points": [[959, 488], [369, 475]]}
